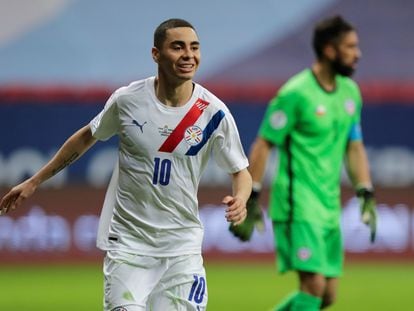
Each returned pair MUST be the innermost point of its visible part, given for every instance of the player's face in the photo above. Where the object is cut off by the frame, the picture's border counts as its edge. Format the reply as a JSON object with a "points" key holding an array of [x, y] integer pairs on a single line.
{"points": [[347, 54], [179, 56]]}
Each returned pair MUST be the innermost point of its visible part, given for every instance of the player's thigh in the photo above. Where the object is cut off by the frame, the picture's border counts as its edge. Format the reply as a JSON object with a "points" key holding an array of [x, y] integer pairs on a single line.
{"points": [[129, 280], [183, 287], [334, 252], [300, 246], [129, 308], [282, 246]]}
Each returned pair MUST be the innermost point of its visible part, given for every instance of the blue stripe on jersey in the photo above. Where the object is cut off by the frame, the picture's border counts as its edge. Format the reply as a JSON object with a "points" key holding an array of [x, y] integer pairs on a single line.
{"points": [[209, 129], [355, 133]]}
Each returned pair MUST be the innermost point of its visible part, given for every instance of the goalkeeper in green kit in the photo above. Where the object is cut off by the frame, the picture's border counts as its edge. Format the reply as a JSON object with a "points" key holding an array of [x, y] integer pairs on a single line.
{"points": [[314, 122]]}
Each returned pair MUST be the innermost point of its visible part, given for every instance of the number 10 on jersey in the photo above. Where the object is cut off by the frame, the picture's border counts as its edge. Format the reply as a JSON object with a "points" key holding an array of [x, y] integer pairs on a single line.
{"points": [[162, 170]]}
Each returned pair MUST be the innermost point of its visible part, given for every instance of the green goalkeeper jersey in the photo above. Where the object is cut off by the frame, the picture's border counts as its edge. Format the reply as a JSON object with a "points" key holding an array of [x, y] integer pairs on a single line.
{"points": [[311, 128]]}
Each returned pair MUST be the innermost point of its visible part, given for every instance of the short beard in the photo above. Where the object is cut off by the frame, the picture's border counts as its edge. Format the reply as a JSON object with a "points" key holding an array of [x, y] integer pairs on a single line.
{"points": [[340, 68]]}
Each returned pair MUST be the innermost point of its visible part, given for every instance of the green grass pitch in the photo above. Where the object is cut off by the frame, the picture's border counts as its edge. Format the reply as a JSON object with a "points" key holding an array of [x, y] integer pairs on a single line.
{"points": [[231, 286]]}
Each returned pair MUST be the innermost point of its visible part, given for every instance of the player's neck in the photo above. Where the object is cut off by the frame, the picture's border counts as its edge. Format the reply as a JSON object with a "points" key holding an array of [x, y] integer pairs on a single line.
{"points": [[173, 94], [325, 76]]}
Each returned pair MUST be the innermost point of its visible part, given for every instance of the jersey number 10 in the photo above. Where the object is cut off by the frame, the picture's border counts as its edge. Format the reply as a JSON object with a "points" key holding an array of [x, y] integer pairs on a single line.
{"points": [[162, 170]]}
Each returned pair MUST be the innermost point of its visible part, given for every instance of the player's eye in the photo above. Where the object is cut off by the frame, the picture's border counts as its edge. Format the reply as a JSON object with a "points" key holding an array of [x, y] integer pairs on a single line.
{"points": [[177, 47]]}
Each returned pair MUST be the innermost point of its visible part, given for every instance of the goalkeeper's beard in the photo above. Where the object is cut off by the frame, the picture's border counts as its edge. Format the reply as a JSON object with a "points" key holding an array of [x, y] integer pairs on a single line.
{"points": [[340, 68]]}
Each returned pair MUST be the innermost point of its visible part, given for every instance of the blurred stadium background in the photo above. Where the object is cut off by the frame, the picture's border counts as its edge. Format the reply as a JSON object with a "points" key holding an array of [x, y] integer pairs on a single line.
{"points": [[61, 59]]}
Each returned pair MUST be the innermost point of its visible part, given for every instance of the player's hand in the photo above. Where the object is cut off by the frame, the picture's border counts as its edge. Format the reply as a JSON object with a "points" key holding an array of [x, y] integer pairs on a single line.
{"points": [[368, 208], [15, 197], [236, 209], [253, 220]]}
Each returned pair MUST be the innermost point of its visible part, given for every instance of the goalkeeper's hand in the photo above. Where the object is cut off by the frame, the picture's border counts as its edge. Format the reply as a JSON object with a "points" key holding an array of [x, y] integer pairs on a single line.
{"points": [[368, 209], [253, 219]]}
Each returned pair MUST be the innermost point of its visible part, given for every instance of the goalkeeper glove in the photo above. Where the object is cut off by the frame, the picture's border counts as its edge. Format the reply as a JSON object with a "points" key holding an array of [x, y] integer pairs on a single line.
{"points": [[253, 219], [368, 209]]}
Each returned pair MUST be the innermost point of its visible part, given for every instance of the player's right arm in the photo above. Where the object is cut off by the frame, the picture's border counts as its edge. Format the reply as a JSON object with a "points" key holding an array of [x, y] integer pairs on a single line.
{"points": [[259, 155], [71, 150], [258, 158]]}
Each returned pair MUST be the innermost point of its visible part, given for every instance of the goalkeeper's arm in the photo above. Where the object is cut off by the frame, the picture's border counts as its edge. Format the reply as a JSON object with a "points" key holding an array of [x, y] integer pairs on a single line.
{"points": [[368, 208], [254, 218], [358, 171], [258, 157]]}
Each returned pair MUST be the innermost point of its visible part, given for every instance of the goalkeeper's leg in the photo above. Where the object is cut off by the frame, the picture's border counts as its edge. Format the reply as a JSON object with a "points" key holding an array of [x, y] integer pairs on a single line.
{"points": [[302, 247], [329, 296], [316, 292], [317, 285], [299, 301]]}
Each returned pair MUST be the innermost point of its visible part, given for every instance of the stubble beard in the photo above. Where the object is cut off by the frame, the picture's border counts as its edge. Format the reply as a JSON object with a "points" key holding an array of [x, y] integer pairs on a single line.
{"points": [[340, 68]]}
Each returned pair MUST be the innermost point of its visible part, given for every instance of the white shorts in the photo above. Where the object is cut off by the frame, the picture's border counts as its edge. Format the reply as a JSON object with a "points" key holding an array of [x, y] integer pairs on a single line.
{"points": [[142, 283]]}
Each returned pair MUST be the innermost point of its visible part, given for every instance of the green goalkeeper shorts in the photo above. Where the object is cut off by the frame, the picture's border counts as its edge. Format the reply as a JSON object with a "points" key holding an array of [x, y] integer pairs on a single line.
{"points": [[301, 246]]}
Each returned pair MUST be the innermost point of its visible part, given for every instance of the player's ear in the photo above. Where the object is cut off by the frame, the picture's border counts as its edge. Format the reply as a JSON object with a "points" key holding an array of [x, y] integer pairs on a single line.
{"points": [[155, 54], [329, 51]]}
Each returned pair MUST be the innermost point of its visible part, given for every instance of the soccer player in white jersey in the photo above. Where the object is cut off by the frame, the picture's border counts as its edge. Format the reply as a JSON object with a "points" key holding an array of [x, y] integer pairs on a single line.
{"points": [[168, 127]]}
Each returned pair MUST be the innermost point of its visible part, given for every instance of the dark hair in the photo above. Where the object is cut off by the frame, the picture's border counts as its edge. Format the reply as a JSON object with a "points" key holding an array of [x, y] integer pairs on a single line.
{"points": [[329, 31], [161, 31]]}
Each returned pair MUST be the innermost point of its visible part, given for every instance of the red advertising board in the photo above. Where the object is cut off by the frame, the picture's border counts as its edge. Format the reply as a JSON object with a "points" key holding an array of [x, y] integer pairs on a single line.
{"points": [[59, 225]]}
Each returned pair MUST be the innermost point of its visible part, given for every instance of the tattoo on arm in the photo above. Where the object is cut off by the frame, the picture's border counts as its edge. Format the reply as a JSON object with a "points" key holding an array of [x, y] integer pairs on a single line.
{"points": [[65, 163]]}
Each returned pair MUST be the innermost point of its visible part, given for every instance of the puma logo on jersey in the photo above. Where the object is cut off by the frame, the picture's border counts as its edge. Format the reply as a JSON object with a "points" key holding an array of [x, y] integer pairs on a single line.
{"points": [[139, 125]]}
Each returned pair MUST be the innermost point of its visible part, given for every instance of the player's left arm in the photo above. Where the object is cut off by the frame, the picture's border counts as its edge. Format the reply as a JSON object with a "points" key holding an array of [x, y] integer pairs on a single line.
{"points": [[236, 203], [357, 163], [357, 166]]}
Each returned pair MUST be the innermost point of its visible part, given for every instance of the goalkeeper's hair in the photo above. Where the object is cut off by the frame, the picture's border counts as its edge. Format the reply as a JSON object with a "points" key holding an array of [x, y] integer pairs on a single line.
{"points": [[329, 31], [160, 32]]}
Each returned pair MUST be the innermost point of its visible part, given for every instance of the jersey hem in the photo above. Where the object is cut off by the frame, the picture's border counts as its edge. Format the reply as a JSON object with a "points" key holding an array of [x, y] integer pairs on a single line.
{"points": [[151, 254]]}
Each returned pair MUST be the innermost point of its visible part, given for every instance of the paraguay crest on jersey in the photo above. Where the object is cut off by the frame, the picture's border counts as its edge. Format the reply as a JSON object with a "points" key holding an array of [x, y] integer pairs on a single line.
{"points": [[189, 138], [193, 135]]}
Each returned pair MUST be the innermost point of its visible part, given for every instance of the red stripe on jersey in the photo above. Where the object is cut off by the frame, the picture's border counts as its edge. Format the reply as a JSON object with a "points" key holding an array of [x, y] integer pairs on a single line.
{"points": [[189, 119]]}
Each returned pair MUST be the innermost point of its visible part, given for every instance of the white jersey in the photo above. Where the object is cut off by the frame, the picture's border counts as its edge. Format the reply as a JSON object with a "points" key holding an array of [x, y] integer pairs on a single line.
{"points": [[151, 205]]}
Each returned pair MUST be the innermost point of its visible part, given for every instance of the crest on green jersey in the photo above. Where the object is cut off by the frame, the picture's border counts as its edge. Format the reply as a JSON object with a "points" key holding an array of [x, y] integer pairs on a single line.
{"points": [[278, 119]]}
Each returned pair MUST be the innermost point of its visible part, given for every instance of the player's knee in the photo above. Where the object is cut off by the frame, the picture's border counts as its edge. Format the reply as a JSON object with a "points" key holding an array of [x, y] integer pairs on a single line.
{"points": [[313, 284], [328, 299]]}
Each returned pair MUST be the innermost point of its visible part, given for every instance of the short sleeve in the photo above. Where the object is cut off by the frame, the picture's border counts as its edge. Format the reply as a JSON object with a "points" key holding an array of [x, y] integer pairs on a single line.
{"points": [[356, 130], [105, 124], [358, 101], [227, 149], [280, 118]]}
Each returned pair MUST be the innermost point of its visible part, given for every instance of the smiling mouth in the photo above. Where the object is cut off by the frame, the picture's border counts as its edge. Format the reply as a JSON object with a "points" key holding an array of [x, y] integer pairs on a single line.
{"points": [[186, 68]]}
